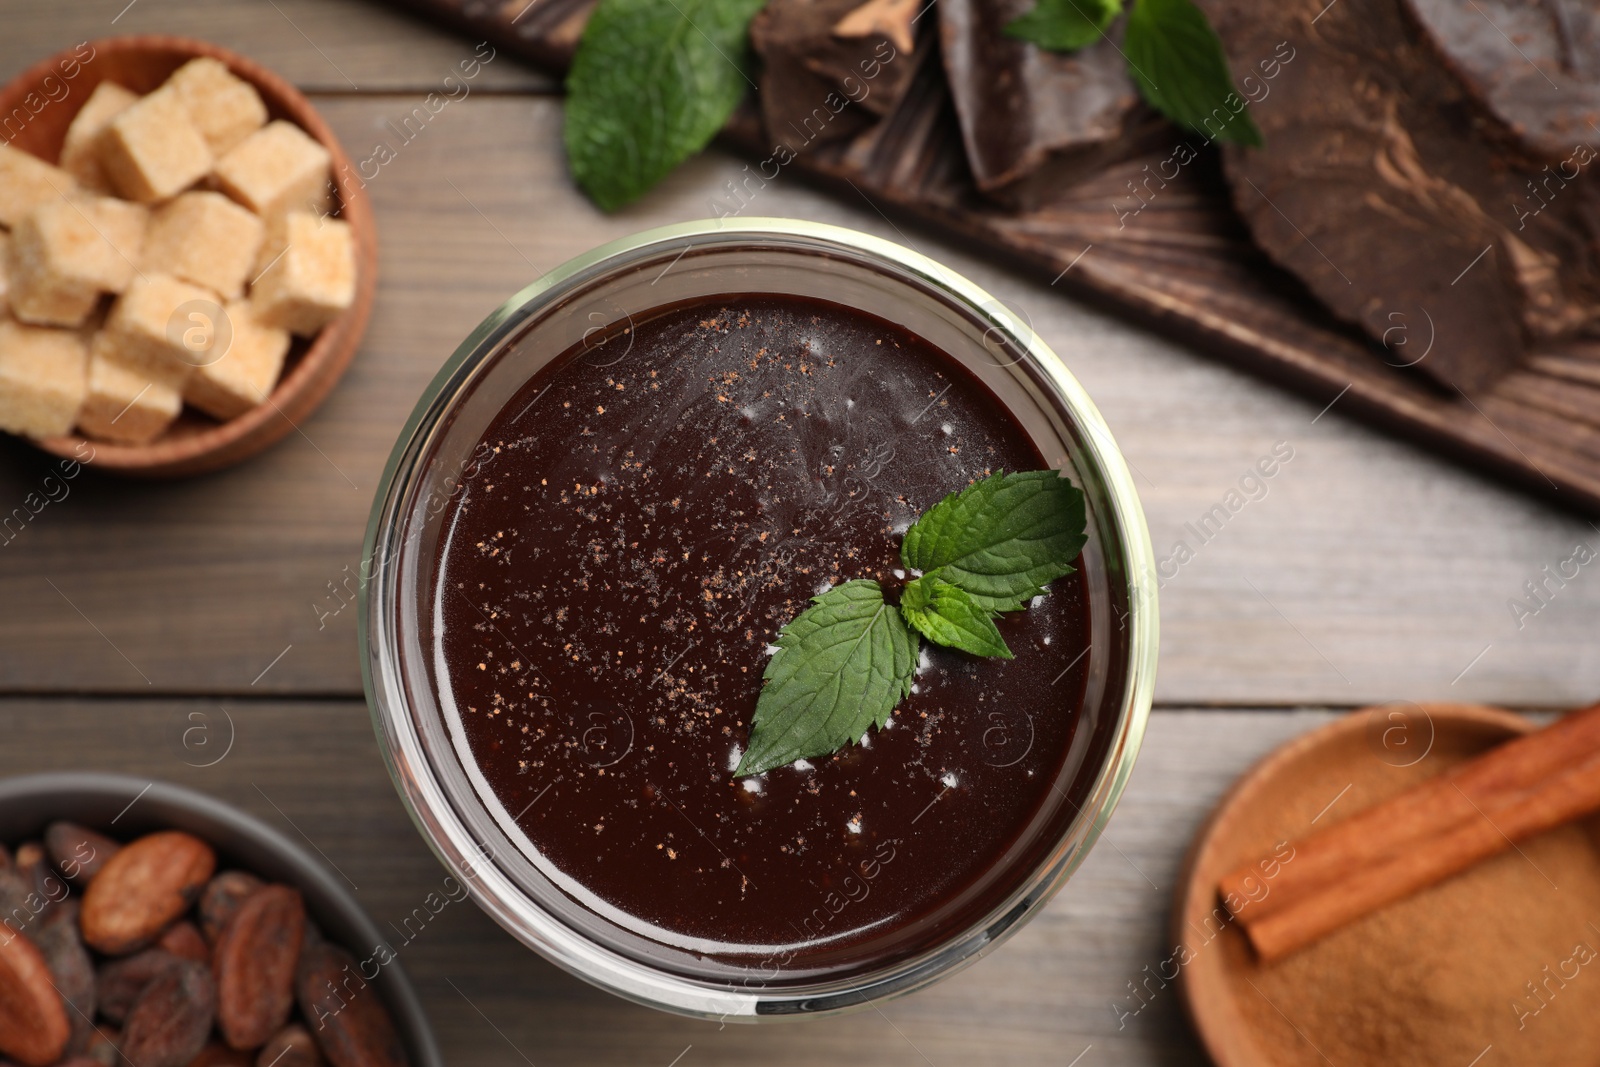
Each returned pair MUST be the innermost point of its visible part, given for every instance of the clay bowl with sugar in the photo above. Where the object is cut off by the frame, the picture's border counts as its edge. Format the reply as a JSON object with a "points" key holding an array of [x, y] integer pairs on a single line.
{"points": [[197, 443], [1437, 977]]}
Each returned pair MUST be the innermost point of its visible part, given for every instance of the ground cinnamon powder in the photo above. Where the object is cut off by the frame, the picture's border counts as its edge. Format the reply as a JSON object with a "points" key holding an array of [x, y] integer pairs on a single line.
{"points": [[1497, 966]]}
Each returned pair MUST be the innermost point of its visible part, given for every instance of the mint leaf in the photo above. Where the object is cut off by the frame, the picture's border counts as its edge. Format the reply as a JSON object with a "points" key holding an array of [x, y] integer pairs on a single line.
{"points": [[650, 84], [1178, 63], [841, 667], [945, 614], [1002, 539], [1065, 25]]}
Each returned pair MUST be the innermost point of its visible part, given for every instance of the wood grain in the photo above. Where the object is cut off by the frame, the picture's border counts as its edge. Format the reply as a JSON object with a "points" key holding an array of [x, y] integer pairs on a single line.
{"points": [[340, 46], [1367, 572], [1041, 998]]}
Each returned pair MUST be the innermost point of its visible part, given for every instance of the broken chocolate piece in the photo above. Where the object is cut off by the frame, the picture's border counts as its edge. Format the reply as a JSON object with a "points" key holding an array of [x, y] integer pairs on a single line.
{"points": [[1381, 189], [1534, 64], [893, 19], [1035, 121], [916, 148], [820, 85]]}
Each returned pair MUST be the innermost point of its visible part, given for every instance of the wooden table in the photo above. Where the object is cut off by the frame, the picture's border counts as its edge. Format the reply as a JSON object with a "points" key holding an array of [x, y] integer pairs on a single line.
{"points": [[1369, 572]]}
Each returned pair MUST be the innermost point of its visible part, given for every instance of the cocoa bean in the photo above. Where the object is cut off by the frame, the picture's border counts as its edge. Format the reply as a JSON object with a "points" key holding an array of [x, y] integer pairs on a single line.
{"points": [[184, 940], [77, 851], [34, 867], [293, 1046], [255, 960], [142, 888], [217, 1054], [33, 1021], [344, 1012], [105, 1046], [70, 968], [120, 982], [169, 1023], [221, 898], [21, 908]]}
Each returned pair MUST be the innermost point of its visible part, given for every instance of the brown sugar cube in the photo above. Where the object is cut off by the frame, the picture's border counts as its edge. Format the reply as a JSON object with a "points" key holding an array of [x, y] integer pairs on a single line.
{"points": [[79, 152], [205, 238], [152, 151], [224, 108], [124, 225], [26, 182], [247, 371], [275, 236], [40, 296], [314, 278], [65, 254], [275, 169], [165, 325], [111, 233], [126, 400], [42, 379]]}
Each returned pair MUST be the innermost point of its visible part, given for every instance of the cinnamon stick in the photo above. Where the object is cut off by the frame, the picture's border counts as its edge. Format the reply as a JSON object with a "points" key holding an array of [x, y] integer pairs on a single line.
{"points": [[1422, 836]]}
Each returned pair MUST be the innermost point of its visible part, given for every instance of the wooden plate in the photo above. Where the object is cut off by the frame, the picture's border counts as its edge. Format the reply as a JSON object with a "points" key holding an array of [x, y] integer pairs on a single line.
{"points": [[1429, 958], [197, 443]]}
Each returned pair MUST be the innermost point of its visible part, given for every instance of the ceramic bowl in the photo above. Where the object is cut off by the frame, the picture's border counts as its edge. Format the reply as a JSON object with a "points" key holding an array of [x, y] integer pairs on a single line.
{"points": [[124, 807]]}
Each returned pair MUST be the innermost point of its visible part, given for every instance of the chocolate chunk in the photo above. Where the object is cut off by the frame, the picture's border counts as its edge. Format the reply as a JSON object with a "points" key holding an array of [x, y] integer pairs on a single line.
{"points": [[831, 67], [1035, 121], [1534, 64], [1381, 189]]}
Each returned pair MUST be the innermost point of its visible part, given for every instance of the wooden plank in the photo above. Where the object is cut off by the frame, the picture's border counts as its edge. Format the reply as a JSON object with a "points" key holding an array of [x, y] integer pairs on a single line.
{"points": [[334, 45], [311, 768], [1367, 571]]}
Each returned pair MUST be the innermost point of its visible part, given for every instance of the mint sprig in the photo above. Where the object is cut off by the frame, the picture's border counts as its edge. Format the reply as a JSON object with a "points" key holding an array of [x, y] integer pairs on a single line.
{"points": [[842, 665], [946, 614], [1065, 25], [1174, 57], [1002, 539], [651, 83], [1177, 61]]}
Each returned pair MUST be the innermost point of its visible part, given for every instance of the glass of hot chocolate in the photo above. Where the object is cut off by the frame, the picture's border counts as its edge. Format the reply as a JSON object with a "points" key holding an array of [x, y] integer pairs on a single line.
{"points": [[599, 517]]}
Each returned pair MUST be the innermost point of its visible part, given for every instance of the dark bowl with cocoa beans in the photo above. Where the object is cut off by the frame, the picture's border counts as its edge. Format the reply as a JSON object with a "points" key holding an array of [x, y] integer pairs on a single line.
{"points": [[147, 924]]}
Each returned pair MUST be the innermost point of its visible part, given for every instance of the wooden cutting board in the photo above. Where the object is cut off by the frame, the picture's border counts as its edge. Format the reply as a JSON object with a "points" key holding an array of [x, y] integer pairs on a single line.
{"points": [[1183, 265]]}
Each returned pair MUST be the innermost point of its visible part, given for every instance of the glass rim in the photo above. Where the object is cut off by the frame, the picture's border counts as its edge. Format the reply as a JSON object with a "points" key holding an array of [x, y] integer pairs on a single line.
{"points": [[431, 808]]}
